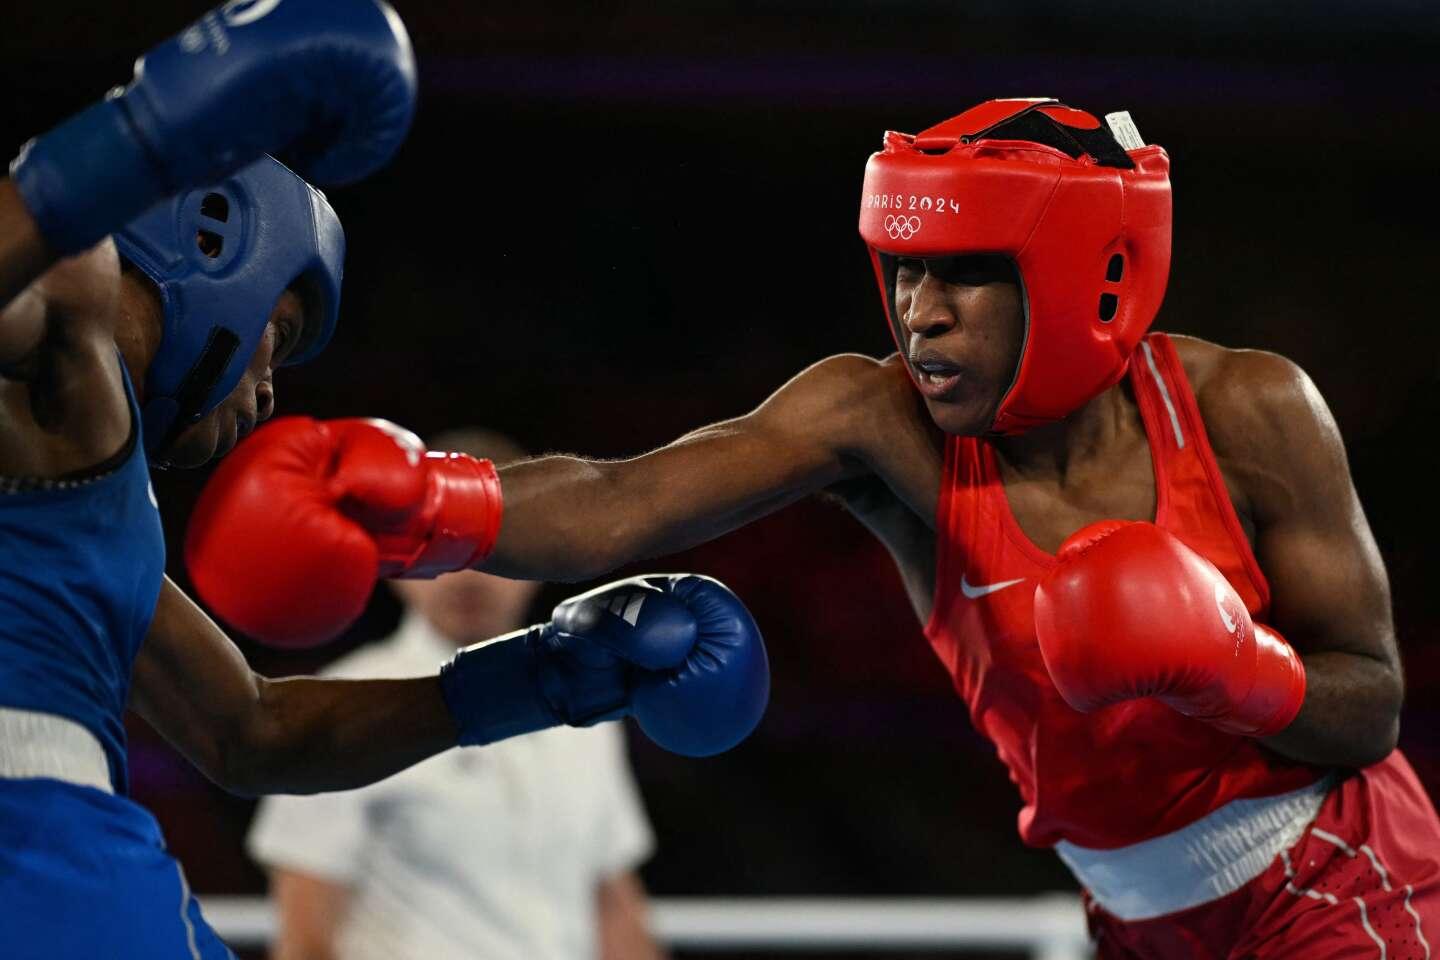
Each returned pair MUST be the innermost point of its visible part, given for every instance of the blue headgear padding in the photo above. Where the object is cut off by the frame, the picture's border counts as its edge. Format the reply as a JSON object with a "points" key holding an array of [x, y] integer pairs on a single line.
{"points": [[221, 256]]}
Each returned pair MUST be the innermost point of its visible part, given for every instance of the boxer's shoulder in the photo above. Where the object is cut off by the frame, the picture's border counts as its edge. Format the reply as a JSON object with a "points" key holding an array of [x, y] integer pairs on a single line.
{"points": [[856, 376], [867, 411], [856, 397], [1265, 418], [63, 404], [1249, 391], [833, 400], [71, 307]]}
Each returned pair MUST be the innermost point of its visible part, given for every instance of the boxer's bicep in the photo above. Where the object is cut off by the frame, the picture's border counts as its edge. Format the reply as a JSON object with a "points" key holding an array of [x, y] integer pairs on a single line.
{"points": [[23, 253], [568, 518], [1328, 582], [1330, 596], [192, 684], [71, 303], [22, 328]]}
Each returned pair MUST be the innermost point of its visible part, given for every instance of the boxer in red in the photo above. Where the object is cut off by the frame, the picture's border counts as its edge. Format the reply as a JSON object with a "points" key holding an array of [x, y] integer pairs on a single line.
{"points": [[1141, 557]]}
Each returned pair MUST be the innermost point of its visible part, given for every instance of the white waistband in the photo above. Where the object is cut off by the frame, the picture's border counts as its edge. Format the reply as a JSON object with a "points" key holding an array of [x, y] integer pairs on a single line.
{"points": [[45, 745], [1215, 855]]}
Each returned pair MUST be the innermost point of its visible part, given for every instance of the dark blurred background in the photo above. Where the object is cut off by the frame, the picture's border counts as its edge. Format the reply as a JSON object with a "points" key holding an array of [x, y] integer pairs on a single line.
{"points": [[619, 220]]}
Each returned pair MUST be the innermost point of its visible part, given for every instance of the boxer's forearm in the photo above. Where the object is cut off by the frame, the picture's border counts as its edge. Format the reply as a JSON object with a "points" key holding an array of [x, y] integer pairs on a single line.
{"points": [[311, 735], [252, 735], [560, 521], [568, 519], [23, 253], [1351, 713], [572, 519]]}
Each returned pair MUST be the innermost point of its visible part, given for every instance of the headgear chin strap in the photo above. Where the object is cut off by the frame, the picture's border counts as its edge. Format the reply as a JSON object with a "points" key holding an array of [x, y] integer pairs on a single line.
{"points": [[1085, 221], [221, 256]]}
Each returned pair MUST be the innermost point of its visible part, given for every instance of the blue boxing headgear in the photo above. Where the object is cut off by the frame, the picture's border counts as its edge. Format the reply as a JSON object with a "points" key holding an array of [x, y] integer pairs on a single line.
{"points": [[221, 256]]}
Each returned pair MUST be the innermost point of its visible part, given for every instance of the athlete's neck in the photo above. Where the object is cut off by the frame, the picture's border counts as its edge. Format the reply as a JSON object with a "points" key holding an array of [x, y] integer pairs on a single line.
{"points": [[1053, 450], [139, 325]]}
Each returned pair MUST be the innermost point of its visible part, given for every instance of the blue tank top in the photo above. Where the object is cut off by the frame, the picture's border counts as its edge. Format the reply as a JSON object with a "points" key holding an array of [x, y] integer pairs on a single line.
{"points": [[80, 570]]}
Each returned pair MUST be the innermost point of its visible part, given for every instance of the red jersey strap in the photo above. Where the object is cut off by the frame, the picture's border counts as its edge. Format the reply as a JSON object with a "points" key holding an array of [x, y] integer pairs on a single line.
{"points": [[944, 538], [962, 481], [1186, 470]]}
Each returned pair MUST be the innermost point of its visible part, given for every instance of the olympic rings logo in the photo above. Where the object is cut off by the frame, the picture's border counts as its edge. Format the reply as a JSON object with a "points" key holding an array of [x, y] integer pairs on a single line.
{"points": [[901, 228]]}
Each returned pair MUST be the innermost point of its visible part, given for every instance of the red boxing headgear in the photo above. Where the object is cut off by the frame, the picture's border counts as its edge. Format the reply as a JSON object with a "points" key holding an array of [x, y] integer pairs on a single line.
{"points": [[1085, 221]]}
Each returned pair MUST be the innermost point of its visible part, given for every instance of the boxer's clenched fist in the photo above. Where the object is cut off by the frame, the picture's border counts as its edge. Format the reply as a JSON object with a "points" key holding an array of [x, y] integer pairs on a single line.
{"points": [[1130, 612], [331, 82], [680, 653], [296, 525]]}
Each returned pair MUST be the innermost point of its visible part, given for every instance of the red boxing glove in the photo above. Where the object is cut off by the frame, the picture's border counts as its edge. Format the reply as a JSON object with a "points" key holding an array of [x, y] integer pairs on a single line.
{"points": [[1130, 612], [296, 525]]}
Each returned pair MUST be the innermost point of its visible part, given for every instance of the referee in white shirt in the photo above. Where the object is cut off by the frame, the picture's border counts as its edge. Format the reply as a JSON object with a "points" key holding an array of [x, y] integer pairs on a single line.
{"points": [[521, 850]]}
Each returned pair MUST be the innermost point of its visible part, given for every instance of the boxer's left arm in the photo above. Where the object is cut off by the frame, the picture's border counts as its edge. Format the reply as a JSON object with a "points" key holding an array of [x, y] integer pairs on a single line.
{"points": [[253, 735], [679, 653], [23, 252], [1284, 461], [68, 305]]}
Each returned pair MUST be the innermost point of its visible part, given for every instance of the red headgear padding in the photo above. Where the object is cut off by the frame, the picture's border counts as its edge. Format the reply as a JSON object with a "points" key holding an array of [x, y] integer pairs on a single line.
{"points": [[1086, 223]]}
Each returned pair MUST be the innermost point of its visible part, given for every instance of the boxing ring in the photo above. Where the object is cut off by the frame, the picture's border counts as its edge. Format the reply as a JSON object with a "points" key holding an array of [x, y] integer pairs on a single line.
{"points": [[1050, 927]]}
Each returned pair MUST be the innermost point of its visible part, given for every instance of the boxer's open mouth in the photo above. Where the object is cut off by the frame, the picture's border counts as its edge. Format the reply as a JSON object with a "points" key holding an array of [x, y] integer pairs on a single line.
{"points": [[935, 374]]}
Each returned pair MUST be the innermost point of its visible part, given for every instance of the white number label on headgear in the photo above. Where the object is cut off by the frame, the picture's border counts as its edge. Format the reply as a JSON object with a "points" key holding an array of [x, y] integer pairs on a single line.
{"points": [[1124, 129]]}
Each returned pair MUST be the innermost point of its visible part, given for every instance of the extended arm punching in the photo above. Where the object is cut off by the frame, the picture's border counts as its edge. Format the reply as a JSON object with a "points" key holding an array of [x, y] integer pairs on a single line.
{"points": [[368, 500], [679, 653], [845, 417], [253, 735], [571, 519]]}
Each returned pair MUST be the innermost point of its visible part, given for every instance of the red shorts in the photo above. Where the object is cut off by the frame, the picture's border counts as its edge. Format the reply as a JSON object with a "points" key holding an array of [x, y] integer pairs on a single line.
{"points": [[1363, 881]]}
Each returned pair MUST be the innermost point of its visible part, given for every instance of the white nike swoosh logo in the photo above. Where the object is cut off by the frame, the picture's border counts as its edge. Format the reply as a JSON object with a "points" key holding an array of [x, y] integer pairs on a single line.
{"points": [[975, 593]]}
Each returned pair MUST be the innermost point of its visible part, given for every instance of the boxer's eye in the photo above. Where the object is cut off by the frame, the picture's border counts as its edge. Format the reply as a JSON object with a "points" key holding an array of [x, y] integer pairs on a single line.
{"points": [[971, 270], [909, 268], [284, 341]]}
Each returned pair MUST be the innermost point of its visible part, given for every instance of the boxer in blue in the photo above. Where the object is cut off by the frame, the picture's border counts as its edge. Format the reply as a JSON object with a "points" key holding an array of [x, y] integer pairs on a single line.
{"points": [[158, 347]]}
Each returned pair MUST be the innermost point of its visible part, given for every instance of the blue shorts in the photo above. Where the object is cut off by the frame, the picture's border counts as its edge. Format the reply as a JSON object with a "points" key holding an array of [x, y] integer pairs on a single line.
{"points": [[85, 874]]}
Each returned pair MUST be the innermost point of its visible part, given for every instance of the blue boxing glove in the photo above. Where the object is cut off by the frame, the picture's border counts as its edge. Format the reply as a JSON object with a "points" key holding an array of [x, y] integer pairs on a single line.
{"points": [[679, 653], [332, 82]]}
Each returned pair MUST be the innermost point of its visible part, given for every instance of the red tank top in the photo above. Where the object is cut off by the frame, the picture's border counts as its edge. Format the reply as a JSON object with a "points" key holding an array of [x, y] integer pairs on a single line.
{"points": [[1134, 770]]}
